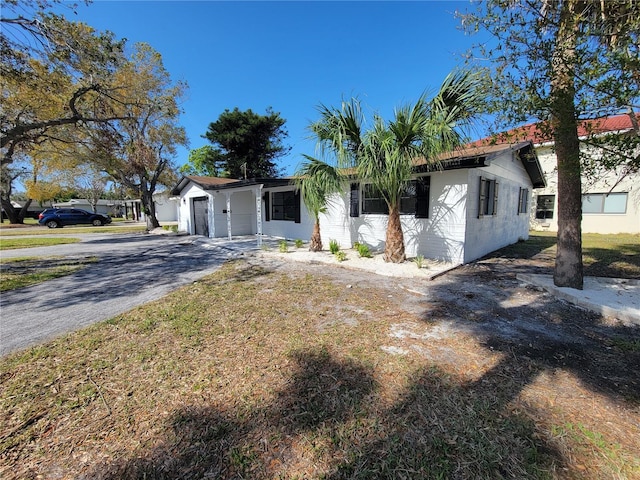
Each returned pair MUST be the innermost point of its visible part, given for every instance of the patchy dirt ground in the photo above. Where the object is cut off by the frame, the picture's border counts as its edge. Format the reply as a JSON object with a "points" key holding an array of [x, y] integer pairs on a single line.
{"points": [[282, 369], [485, 301]]}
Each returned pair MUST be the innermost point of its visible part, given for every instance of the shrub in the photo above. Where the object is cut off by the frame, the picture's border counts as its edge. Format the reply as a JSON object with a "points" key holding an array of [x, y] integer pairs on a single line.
{"points": [[299, 243], [340, 256], [334, 246], [419, 261], [363, 250], [284, 246]]}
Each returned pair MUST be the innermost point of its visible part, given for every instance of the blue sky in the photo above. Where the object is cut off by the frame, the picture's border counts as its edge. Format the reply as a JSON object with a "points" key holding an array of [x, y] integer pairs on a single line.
{"points": [[291, 56]]}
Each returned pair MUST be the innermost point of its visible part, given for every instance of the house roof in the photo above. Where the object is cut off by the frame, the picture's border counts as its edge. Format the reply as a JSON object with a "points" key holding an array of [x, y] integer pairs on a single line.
{"points": [[203, 182], [481, 155], [536, 133], [217, 183], [465, 157]]}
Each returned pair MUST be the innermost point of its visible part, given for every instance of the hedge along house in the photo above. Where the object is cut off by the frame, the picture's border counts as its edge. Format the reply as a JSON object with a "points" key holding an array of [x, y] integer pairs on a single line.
{"points": [[477, 201]]}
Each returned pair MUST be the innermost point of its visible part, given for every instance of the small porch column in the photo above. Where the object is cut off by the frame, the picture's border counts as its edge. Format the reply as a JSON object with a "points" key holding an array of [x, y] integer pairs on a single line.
{"points": [[210, 218], [228, 195], [258, 194]]}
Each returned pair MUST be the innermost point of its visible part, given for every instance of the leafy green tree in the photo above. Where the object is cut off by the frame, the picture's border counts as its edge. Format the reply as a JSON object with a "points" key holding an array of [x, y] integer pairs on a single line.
{"points": [[562, 62], [317, 180], [384, 155], [246, 144], [57, 79], [203, 161], [91, 184], [55, 72], [139, 151]]}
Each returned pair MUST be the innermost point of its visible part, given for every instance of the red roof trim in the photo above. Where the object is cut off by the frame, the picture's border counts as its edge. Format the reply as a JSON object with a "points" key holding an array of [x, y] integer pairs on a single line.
{"points": [[534, 133]]}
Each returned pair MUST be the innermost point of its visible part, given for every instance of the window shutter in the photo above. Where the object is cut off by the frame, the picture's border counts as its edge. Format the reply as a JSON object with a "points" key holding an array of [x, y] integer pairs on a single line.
{"points": [[523, 202], [519, 201], [354, 200], [495, 199], [296, 205], [422, 197], [482, 199], [267, 207]]}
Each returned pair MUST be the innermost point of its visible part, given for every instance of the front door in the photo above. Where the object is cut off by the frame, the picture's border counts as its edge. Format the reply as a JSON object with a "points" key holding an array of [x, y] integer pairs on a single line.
{"points": [[201, 216]]}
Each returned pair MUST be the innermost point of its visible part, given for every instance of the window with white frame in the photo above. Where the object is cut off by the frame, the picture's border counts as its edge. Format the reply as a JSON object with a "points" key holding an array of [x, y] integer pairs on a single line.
{"points": [[488, 198], [604, 203]]}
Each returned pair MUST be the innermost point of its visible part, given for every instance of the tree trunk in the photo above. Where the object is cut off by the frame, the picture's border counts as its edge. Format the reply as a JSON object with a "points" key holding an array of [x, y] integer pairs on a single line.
{"points": [[149, 211], [568, 270], [394, 243], [15, 216], [315, 245]]}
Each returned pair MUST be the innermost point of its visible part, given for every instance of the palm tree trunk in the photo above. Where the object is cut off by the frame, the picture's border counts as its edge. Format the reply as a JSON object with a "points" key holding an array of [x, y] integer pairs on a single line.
{"points": [[394, 244], [315, 245]]}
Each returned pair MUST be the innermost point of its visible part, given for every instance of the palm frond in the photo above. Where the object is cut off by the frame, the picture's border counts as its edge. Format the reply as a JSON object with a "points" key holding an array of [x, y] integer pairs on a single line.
{"points": [[317, 180]]}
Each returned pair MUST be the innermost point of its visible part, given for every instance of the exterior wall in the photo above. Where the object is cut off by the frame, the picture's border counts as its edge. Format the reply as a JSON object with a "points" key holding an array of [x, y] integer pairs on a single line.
{"points": [[185, 216], [628, 222], [491, 232], [441, 236], [286, 228], [453, 232], [243, 213], [166, 207]]}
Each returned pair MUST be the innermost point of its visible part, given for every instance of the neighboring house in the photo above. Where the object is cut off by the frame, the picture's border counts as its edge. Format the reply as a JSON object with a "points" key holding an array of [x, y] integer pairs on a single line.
{"points": [[477, 202], [106, 207], [166, 207], [611, 204]]}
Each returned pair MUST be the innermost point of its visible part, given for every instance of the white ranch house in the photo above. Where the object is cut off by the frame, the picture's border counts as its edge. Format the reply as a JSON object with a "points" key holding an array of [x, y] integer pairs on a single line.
{"points": [[477, 202]]}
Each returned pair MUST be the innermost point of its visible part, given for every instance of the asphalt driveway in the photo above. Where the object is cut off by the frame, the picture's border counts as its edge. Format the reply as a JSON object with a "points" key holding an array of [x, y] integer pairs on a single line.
{"points": [[133, 269]]}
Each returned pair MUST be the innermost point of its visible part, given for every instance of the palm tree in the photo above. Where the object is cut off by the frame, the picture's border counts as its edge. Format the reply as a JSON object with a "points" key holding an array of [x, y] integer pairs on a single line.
{"points": [[385, 155], [317, 180]]}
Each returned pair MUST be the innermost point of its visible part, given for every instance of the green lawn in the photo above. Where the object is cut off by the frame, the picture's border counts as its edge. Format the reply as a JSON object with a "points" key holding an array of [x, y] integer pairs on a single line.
{"points": [[602, 255], [13, 231], [13, 243]]}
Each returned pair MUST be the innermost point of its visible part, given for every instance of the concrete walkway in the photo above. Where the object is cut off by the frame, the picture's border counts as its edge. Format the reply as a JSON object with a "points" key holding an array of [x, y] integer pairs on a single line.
{"points": [[610, 297]]}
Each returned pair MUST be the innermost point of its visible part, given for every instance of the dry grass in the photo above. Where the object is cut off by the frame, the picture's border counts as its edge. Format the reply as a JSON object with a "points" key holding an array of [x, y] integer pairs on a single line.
{"points": [[259, 374]]}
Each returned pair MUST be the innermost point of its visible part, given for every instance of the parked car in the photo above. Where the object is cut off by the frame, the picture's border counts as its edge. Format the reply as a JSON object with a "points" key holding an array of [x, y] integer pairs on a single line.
{"points": [[59, 217]]}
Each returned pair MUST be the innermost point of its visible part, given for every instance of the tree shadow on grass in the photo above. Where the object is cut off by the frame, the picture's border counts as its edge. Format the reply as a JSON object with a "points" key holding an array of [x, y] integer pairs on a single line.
{"points": [[527, 249], [331, 421], [496, 309], [624, 262]]}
